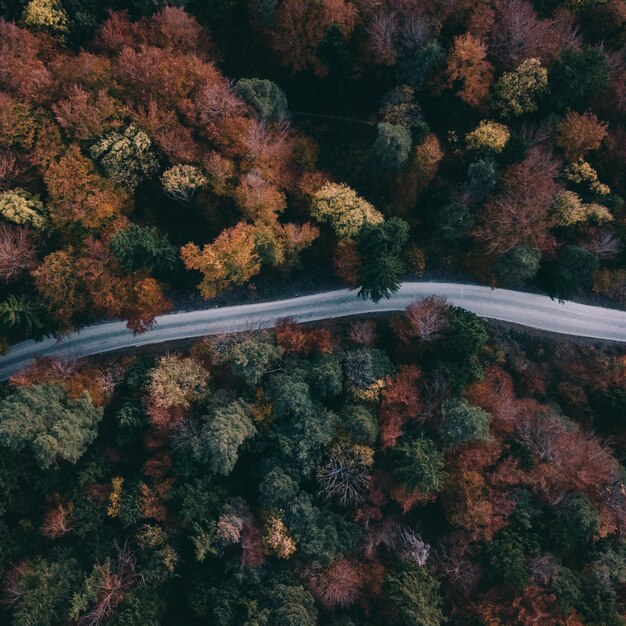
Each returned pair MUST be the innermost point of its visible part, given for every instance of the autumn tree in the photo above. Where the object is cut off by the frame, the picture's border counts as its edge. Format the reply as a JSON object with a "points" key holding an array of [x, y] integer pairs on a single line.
{"points": [[17, 251], [346, 212], [127, 157], [520, 213], [468, 66], [277, 538], [337, 585], [259, 199], [582, 173], [423, 320], [346, 262], [300, 27], [294, 238], [517, 92], [291, 337], [230, 259], [578, 134], [17, 123], [44, 419], [401, 404], [488, 136], [85, 115], [79, 194], [23, 208], [518, 33], [569, 209], [424, 163], [137, 298], [24, 73], [145, 301], [182, 181], [173, 385], [105, 588], [60, 288], [47, 15], [57, 521]]}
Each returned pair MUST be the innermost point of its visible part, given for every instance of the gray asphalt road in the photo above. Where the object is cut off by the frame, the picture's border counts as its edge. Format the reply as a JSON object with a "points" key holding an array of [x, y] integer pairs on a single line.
{"points": [[532, 310]]}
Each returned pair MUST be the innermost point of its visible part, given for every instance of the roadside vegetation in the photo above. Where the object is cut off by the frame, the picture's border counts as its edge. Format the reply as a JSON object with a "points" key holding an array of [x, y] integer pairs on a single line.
{"points": [[150, 152], [425, 469], [414, 470]]}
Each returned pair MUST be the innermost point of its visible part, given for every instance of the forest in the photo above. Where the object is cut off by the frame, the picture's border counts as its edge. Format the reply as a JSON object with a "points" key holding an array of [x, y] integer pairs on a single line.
{"points": [[419, 470], [153, 157], [414, 469]]}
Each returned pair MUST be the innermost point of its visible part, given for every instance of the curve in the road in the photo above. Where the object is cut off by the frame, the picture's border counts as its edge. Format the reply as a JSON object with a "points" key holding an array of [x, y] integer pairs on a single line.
{"points": [[532, 310]]}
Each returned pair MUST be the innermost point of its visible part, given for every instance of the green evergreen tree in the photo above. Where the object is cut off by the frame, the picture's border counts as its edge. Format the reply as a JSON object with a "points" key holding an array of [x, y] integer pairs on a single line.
{"points": [[326, 376], [43, 589], [252, 358], [265, 97], [414, 594], [291, 605], [391, 148], [141, 247], [463, 423], [579, 77], [223, 435], [418, 463], [382, 267], [518, 266], [571, 272], [22, 314], [43, 418], [505, 561], [361, 424]]}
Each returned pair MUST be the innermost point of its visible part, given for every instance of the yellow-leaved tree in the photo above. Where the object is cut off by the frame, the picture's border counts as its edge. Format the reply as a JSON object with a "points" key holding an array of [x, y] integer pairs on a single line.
{"points": [[231, 259], [343, 209]]}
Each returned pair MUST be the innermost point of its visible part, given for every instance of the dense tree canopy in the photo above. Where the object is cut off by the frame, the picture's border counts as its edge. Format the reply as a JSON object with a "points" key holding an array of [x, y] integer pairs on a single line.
{"points": [[55, 427], [420, 470], [427, 469], [151, 135]]}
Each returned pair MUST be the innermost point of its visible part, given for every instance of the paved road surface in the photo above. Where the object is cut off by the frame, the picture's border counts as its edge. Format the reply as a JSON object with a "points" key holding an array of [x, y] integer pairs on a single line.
{"points": [[535, 311]]}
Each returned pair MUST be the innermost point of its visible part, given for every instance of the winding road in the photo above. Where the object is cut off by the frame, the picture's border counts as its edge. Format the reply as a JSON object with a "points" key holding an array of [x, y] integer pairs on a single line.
{"points": [[526, 309]]}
